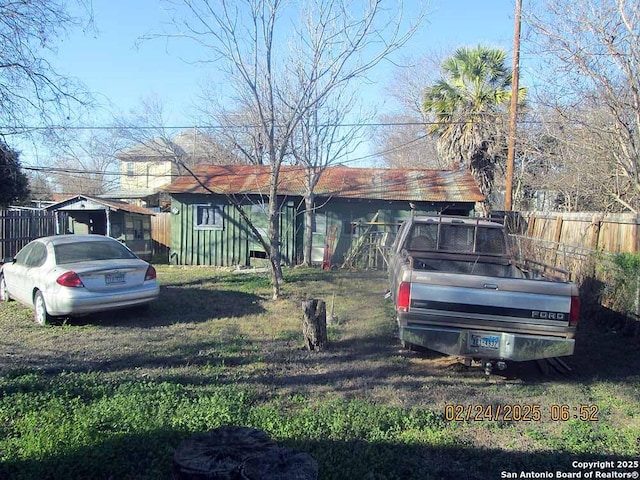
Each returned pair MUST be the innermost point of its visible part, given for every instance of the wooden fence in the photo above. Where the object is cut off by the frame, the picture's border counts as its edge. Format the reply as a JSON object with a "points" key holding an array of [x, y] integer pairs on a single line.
{"points": [[614, 233], [161, 235], [585, 244], [19, 227]]}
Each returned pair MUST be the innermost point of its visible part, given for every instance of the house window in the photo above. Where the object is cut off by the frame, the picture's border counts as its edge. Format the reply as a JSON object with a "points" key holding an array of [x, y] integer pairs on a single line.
{"points": [[130, 169], [260, 208], [208, 217], [320, 223], [138, 233]]}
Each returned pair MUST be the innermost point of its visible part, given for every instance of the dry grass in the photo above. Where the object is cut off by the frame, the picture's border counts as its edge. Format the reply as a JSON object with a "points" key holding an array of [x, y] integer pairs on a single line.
{"points": [[214, 332]]}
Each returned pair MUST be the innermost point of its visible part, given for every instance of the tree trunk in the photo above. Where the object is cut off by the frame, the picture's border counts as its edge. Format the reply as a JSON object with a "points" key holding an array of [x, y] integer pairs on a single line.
{"points": [[274, 233], [308, 228], [314, 324]]}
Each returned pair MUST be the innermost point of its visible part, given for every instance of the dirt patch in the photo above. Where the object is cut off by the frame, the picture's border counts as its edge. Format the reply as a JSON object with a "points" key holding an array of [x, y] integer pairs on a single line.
{"points": [[209, 328]]}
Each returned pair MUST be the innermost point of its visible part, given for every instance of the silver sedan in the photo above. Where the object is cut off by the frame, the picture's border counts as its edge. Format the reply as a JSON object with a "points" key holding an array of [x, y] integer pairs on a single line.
{"points": [[76, 275]]}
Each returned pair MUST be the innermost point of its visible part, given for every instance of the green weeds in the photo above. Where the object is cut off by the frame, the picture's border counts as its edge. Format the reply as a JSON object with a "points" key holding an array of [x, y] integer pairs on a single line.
{"points": [[621, 276], [112, 396]]}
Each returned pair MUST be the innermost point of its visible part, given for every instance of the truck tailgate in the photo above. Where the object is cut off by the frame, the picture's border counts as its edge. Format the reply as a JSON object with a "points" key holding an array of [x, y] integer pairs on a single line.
{"points": [[491, 303]]}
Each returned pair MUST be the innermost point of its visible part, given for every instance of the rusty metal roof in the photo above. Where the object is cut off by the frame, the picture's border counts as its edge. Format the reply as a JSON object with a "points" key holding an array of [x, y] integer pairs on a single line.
{"points": [[345, 182]]}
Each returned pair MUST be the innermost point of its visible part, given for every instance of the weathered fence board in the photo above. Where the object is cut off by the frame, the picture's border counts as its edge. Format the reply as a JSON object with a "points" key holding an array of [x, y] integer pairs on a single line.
{"points": [[587, 245], [608, 232], [19, 227], [161, 233]]}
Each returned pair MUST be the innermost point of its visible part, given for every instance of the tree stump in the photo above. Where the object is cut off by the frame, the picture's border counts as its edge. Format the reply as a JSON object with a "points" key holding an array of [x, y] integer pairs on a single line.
{"points": [[314, 324], [239, 453], [218, 454]]}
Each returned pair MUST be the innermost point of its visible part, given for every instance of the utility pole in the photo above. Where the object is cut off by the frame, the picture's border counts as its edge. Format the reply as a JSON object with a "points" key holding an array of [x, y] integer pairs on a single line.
{"points": [[508, 195]]}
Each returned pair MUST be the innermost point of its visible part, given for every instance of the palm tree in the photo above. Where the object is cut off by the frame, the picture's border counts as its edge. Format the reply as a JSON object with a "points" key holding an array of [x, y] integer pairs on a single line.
{"points": [[469, 105]]}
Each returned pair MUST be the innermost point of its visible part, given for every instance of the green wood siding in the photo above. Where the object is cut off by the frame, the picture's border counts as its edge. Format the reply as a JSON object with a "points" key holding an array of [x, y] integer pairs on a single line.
{"points": [[230, 245], [346, 215]]}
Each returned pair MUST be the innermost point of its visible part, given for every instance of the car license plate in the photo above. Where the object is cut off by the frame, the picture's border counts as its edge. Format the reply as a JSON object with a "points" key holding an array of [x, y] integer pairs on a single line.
{"points": [[485, 341], [115, 277]]}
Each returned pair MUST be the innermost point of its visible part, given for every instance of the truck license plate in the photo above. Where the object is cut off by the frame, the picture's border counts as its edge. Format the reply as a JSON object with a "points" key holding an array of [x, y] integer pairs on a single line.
{"points": [[485, 341], [115, 277]]}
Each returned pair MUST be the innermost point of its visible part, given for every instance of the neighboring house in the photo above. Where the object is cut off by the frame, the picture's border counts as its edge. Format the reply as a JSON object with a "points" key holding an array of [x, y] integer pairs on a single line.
{"points": [[146, 168], [351, 203], [128, 223]]}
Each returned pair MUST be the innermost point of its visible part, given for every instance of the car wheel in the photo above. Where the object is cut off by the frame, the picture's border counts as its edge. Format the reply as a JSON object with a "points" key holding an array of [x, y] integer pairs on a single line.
{"points": [[40, 315], [4, 292]]}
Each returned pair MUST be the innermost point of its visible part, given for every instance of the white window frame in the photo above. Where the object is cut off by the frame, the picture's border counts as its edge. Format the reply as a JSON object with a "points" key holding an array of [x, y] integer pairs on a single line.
{"points": [[201, 222]]}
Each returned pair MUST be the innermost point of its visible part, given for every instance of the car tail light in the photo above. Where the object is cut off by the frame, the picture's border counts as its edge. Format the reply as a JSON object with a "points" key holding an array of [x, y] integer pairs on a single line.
{"points": [[151, 273], [574, 313], [404, 296], [70, 279]]}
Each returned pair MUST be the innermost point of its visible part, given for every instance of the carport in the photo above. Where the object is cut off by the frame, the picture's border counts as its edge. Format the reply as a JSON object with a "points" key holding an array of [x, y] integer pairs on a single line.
{"points": [[123, 221]]}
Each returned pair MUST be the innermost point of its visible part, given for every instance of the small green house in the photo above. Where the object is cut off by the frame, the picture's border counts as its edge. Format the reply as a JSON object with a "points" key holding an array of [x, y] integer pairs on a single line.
{"points": [[123, 221], [356, 209]]}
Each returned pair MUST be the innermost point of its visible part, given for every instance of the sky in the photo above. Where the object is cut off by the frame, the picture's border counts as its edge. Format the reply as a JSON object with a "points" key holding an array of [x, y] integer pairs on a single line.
{"points": [[120, 70]]}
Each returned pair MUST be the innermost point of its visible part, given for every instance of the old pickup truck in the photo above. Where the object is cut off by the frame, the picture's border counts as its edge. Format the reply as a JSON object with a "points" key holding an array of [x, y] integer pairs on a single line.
{"points": [[458, 289]]}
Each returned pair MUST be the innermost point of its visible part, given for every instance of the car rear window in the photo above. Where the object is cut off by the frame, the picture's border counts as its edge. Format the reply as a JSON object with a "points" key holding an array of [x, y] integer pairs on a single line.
{"points": [[90, 251]]}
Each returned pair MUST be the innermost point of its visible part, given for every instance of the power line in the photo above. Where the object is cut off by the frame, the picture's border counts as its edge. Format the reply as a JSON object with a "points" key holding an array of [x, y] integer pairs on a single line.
{"points": [[14, 130], [69, 171]]}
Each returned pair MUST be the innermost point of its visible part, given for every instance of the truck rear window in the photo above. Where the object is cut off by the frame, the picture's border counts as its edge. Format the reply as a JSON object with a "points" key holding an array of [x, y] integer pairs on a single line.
{"points": [[457, 238], [490, 241]]}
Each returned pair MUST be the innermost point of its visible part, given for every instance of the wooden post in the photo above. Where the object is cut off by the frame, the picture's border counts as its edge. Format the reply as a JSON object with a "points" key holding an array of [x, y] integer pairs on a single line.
{"points": [[557, 235], [595, 234], [314, 324]]}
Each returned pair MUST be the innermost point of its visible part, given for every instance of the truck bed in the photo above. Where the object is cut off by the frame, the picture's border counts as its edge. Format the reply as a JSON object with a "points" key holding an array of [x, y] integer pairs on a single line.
{"points": [[479, 303]]}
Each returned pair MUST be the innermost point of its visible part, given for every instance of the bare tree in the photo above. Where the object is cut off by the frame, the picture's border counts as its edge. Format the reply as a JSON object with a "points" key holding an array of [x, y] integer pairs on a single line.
{"points": [[87, 164], [402, 138], [562, 165], [32, 93], [33, 96], [593, 47], [324, 138], [404, 142], [144, 131], [334, 43], [40, 185]]}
